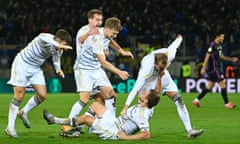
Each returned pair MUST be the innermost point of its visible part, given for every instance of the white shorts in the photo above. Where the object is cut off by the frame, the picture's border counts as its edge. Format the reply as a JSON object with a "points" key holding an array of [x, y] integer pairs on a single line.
{"points": [[89, 80], [23, 74], [168, 85], [105, 126]]}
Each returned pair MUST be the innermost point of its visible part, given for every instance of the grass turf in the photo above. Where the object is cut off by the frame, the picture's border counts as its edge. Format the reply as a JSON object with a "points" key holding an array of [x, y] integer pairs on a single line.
{"points": [[220, 125]]}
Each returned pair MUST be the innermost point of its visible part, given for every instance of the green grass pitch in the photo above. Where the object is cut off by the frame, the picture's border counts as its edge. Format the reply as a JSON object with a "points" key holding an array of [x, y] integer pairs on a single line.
{"points": [[220, 125]]}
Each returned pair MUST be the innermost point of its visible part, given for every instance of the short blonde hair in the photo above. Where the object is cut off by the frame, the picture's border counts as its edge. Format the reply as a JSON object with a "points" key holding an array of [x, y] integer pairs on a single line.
{"points": [[113, 23], [161, 57]]}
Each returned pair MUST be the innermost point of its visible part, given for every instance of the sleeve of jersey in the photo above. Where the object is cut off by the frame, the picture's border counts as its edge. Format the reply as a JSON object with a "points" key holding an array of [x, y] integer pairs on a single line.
{"points": [[57, 60], [97, 44], [48, 39], [172, 49], [143, 74], [209, 50]]}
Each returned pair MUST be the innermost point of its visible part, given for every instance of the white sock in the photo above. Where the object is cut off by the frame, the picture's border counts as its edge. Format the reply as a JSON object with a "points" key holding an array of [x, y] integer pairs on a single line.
{"points": [[76, 109], [183, 114], [62, 121], [110, 104], [90, 112], [12, 115], [31, 104]]}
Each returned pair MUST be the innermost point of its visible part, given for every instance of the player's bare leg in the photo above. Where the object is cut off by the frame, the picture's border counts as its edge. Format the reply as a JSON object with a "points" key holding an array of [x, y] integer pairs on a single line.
{"points": [[33, 102]]}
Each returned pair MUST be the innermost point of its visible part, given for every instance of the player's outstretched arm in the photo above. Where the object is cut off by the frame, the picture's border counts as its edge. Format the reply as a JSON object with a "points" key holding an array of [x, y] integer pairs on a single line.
{"points": [[113, 44], [122, 74], [172, 48], [231, 59], [143, 135], [66, 47]]}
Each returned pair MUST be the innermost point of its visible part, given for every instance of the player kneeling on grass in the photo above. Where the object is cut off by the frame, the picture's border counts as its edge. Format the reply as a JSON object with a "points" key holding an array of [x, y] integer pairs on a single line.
{"points": [[134, 124]]}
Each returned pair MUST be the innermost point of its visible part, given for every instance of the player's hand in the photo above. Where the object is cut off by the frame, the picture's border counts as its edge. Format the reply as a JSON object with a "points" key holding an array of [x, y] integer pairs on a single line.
{"points": [[60, 73], [123, 75], [203, 71], [234, 59], [127, 53], [68, 47], [179, 36], [124, 110], [93, 31], [121, 135]]}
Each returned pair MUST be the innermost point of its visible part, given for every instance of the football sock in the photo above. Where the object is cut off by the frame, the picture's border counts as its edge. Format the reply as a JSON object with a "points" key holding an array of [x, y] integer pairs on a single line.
{"points": [[90, 112], [76, 109], [32, 103], [63, 121], [203, 93], [12, 115], [110, 104], [224, 95], [182, 112]]}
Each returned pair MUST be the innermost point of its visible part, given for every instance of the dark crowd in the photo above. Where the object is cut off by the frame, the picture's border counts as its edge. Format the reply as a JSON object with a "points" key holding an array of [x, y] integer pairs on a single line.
{"points": [[196, 20]]}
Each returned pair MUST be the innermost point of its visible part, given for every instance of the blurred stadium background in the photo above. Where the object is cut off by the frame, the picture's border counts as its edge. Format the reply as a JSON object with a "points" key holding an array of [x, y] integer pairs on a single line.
{"points": [[147, 25]]}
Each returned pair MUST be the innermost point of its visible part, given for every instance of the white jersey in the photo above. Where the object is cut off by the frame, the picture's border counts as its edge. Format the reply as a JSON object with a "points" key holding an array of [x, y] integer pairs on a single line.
{"points": [[94, 44], [39, 49], [135, 119], [147, 75], [83, 30]]}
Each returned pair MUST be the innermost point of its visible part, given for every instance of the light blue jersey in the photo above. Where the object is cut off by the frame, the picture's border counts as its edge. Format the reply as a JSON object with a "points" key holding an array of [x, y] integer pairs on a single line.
{"points": [[39, 49], [86, 52]]}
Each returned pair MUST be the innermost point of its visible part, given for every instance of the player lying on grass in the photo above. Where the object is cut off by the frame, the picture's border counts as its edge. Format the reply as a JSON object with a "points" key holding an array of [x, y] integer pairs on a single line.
{"points": [[134, 124]]}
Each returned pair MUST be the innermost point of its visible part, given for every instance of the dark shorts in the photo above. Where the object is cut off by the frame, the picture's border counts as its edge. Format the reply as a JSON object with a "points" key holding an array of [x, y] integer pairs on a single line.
{"points": [[215, 76]]}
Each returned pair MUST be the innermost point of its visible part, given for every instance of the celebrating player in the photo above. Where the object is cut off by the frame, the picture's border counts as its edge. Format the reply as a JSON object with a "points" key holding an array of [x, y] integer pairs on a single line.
{"points": [[95, 17], [89, 74], [151, 65], [92, 28], [26, 71]]}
